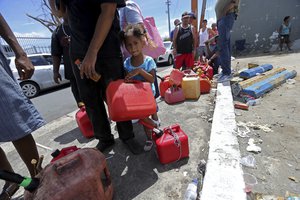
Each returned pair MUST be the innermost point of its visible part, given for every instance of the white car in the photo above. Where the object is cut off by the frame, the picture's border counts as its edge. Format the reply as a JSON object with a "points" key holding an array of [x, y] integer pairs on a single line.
{"points": [[168, 57], [42, 77]]}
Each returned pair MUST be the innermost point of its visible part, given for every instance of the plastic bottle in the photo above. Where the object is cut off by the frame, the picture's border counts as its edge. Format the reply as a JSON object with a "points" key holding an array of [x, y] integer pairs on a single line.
{"points": [[191, 191], [253, 102]]}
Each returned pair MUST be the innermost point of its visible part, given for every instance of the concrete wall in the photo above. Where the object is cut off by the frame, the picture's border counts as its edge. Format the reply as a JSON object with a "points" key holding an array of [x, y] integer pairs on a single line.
{"points": [[258, 19]]}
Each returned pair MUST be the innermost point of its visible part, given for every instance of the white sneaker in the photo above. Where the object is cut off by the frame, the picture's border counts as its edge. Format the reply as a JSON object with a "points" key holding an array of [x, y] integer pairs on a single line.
{"points": [[148, 145], [135, 121], [157, 123]]}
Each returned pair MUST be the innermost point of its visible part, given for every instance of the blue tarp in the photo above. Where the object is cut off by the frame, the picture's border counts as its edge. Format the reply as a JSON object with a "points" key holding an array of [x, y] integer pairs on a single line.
{"points": [[249, 73], [258, 89]]}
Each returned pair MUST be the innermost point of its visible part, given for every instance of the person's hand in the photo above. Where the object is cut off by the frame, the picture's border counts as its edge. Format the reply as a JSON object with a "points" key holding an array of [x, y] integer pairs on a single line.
{"points": [[132, 74], [56, 77], [24, 67], [174, 52], [87, 66]]}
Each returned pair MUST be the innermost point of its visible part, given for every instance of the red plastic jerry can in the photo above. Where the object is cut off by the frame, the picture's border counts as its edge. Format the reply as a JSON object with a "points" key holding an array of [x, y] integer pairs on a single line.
{"points": [[173, 145], [205, 85], [129, 100], [57, 154], [176, 77], [84, 123], [208, 71], [164, 85], [174, 95]]}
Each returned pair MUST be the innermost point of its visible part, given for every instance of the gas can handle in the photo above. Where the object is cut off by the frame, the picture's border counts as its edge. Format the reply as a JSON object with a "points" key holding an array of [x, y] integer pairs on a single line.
{"points": [[61, 168]]}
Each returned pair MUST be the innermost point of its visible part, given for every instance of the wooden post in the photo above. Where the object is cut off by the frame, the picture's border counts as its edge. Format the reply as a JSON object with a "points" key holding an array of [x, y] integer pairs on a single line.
{"points": [[194, 9], [202, 13]]}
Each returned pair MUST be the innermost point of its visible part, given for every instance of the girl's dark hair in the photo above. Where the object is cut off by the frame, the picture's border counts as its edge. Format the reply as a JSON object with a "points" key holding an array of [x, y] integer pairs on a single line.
{"points": [[132, 30], [286, 18]]}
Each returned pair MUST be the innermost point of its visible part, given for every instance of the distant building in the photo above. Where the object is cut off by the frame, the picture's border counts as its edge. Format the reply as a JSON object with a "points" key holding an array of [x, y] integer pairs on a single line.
{"points": [[259, 20]]}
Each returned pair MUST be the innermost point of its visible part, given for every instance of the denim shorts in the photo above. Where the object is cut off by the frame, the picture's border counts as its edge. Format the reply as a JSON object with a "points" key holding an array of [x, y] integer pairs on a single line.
{"points": [[18, 115]]}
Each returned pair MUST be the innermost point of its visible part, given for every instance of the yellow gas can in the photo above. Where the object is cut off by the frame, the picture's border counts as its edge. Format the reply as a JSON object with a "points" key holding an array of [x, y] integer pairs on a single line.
{"points": [[191, 87]]}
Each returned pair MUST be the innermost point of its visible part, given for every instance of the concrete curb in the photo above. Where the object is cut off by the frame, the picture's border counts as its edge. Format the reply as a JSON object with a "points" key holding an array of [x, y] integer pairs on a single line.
{"points": [[224, 176]]}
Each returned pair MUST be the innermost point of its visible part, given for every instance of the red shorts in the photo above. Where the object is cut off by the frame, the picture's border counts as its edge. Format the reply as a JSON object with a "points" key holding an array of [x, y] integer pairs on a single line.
{"points": [[186, 59]]}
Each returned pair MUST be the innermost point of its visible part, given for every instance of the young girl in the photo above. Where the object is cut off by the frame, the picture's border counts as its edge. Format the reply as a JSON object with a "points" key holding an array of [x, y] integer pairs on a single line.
{"points": [[140, 67]]}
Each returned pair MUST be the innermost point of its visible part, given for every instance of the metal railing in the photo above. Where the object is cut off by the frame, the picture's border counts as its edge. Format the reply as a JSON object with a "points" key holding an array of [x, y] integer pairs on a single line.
{"points": [[31, 45]]}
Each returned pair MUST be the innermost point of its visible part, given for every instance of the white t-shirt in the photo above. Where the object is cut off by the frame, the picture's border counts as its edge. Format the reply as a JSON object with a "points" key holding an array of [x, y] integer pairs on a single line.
{"points": [[203, 35]]}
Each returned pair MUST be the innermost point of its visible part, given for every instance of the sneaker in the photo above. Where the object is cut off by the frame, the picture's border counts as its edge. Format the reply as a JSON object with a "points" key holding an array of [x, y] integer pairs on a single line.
{"points": [[134, 146], [216, 76], [224, 78], [134, 121], [103, 145], [148, 145], [156, 122]]}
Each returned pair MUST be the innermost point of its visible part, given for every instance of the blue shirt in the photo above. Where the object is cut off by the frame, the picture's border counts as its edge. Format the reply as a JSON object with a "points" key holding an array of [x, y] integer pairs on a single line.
{"points": [[285, 29], [148, 65]]}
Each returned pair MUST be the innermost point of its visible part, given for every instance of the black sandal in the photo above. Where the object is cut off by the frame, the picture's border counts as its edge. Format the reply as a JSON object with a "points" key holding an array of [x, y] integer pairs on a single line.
{"points": [[9, 191]]}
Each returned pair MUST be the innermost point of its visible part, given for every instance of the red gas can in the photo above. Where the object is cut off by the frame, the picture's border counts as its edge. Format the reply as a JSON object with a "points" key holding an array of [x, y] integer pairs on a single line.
{"points": [[80, 175], [164, 85], [176, 77], [84, 123], [129, 100], [208, 71], [57, 154], [189, 72], [174, 95], [205, 85], [172, 145]]}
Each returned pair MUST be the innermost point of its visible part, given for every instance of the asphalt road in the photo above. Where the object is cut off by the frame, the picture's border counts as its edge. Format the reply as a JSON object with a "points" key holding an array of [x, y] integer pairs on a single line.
{"points": [[55, 103]]}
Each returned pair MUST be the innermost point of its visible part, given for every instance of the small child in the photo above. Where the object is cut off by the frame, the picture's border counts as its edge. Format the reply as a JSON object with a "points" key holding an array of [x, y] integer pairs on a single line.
{"points": [[284, 33], [140, 67]]}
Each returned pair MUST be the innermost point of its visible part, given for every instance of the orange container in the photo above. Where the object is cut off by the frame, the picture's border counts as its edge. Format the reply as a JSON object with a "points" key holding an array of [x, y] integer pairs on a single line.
{"points": [[131, 100], [205, 85], [84, 123], [176, 77]]}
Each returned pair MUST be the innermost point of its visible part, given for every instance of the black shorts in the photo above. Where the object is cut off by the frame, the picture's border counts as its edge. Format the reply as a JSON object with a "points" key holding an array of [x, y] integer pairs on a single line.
{"points": [[284, 38]]}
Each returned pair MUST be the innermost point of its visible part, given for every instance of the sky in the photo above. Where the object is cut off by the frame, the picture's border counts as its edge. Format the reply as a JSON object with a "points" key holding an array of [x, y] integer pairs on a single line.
{"points": [[14, 11]]}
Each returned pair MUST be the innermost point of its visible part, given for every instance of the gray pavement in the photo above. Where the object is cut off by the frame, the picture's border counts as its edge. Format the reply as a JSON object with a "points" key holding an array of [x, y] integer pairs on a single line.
{"points": [[136, 176]]}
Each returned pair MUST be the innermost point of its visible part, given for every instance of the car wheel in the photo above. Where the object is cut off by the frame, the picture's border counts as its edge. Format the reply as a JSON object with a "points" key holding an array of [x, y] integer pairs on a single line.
{"points": [[30, 89], [170, 60]]}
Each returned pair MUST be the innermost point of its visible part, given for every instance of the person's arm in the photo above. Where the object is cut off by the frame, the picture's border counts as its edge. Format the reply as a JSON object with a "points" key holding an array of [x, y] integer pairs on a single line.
{"points": [[174, 41], [56, 52], [194, 40], [56, 66], [103, 26], [23, 64], [148, 76], [207, 48]]}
